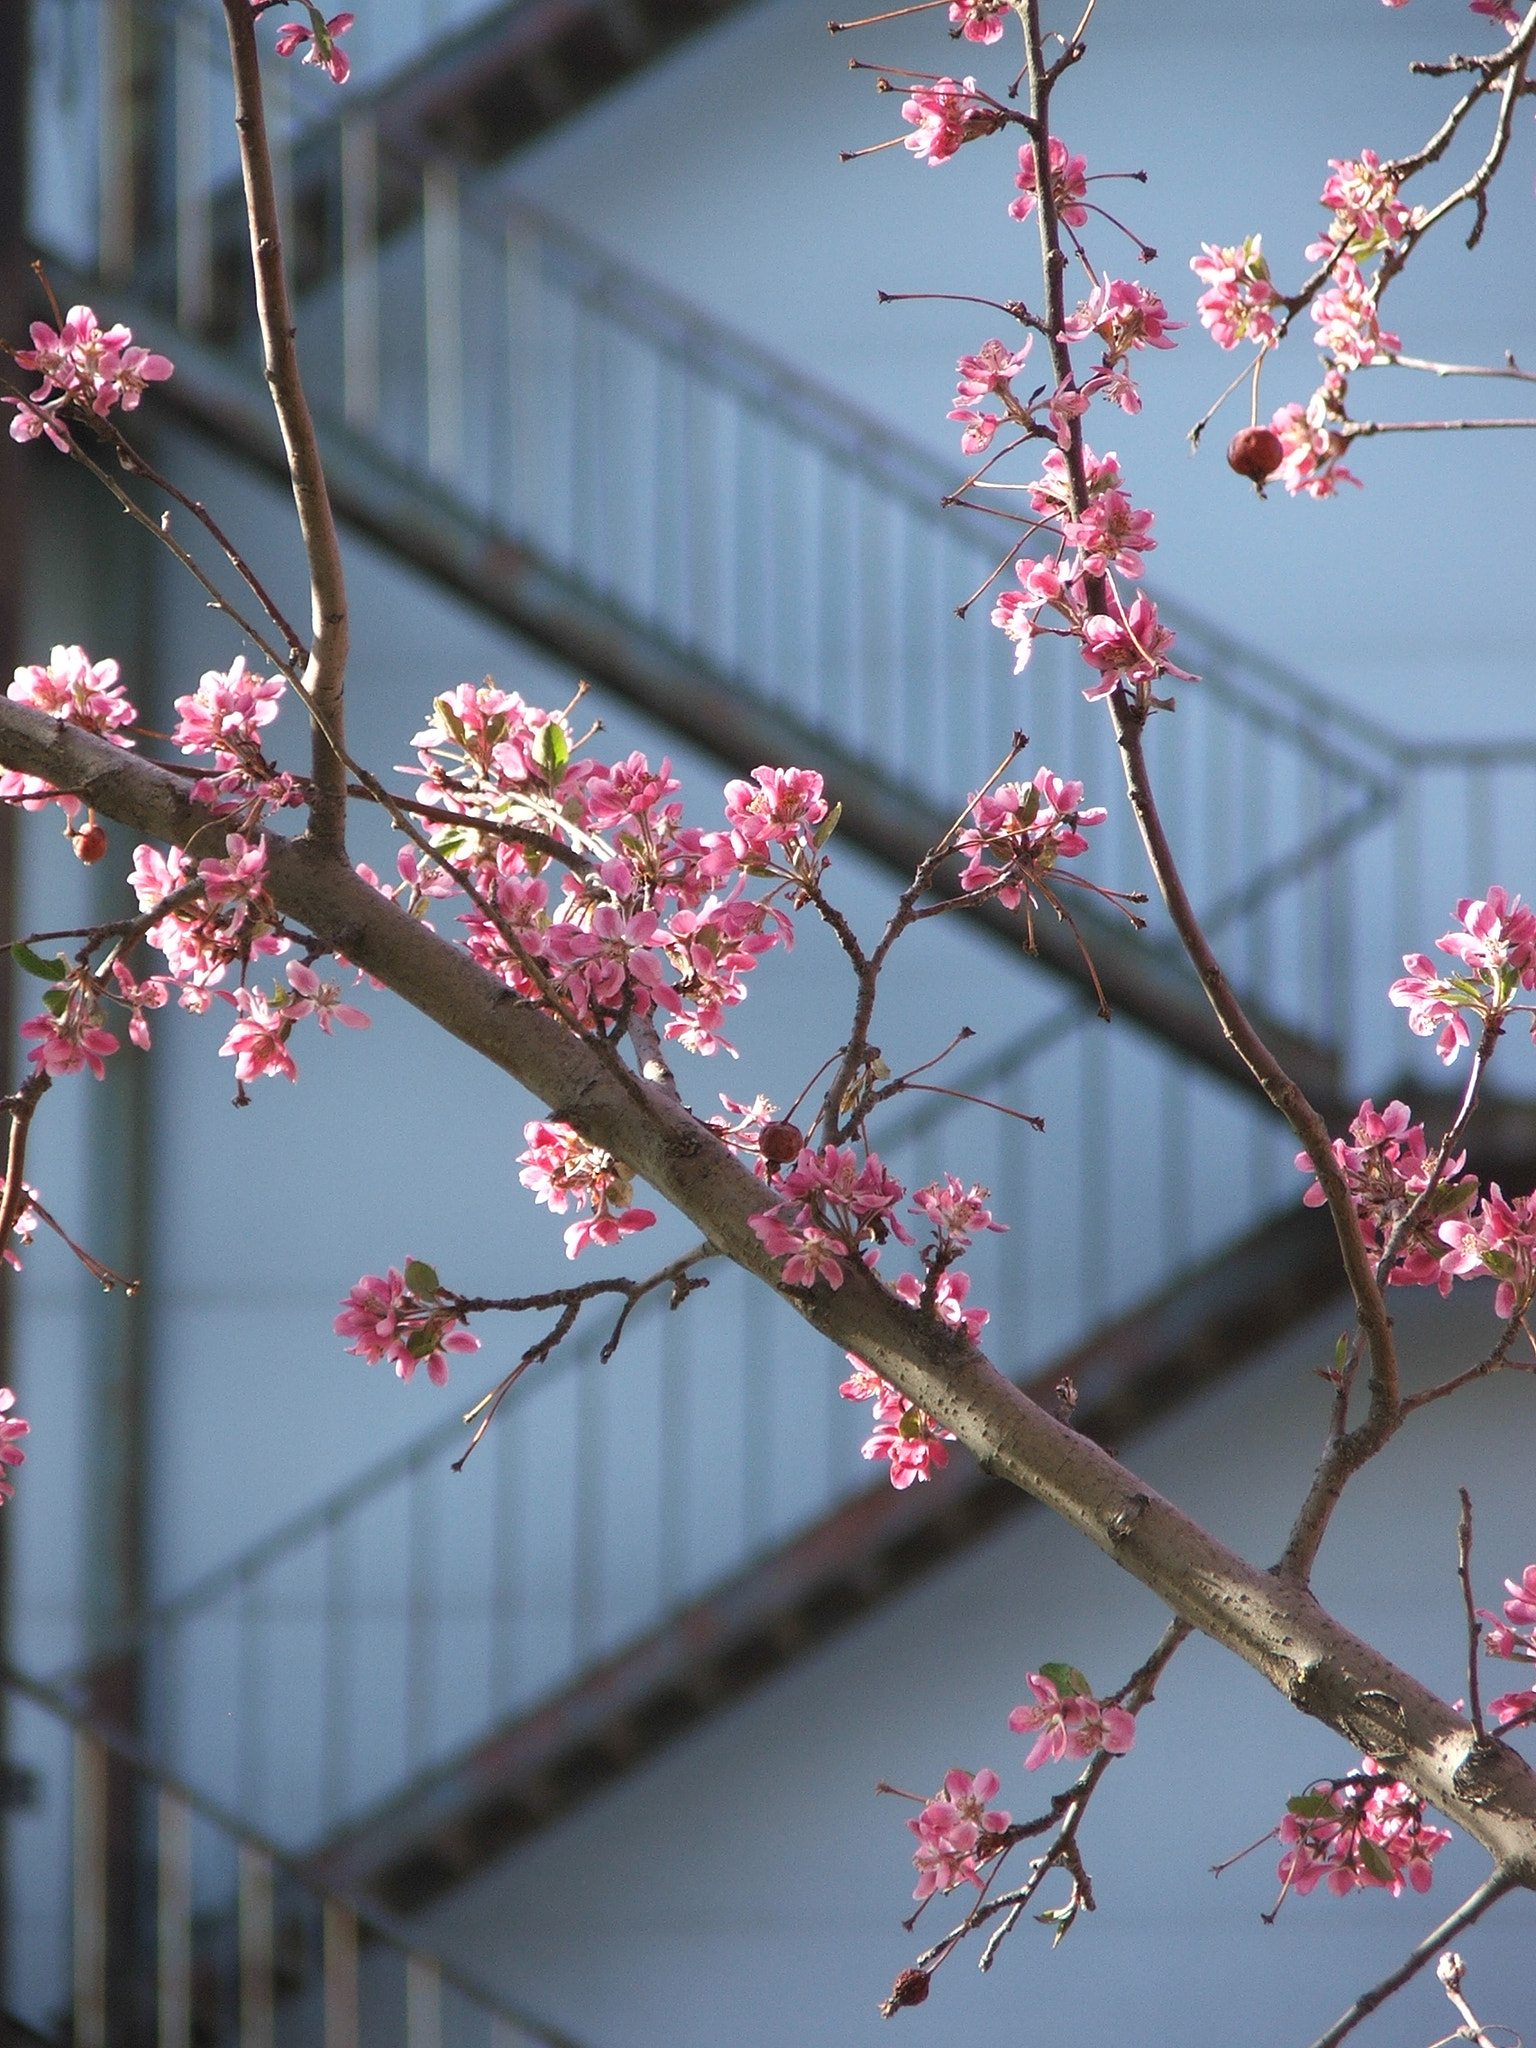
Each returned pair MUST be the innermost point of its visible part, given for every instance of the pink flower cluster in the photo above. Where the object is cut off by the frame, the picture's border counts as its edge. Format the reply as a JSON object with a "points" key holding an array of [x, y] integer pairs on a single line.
{"points": [[81, 365], [1357, 1832], [224, 717], [1128, 645], [947, 114], [402, 1316], [1236, 303], [988, 373], [831, 1206], [563, 1170], [72, 688], [912, 1441], [1514, 1637], [1367, 212], [1346, 320], [1067, 1721], [652, 915], [1069, 184], [1499, 1238], [1312, 441], [1497, 948], [955, 1832], [71, 1035], [1125, 317], [1387, 1168], [12, 1429], [1025, 828]]}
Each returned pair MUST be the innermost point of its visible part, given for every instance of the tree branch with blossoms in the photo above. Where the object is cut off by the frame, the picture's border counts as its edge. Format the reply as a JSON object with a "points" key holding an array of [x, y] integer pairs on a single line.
{"points": [[603, 932]]}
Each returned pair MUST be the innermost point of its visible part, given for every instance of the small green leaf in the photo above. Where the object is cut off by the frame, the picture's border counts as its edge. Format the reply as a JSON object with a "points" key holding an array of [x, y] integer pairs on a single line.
{"points": [[34, 963], [1029, 806], [1309, 1805], [55, 1001], [1341, 1352], [421, 1278], [552, 749], [828, 826], [422, 1343], [1067, 1679], [1375, 1862]]}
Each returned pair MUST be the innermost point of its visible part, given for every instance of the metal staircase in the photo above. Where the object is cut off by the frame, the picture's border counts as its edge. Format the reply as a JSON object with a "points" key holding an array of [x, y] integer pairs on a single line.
{"points": [[423, 1666]]}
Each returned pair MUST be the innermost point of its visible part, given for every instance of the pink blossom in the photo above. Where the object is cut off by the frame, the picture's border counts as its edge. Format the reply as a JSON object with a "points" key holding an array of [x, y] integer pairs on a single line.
{"points": [[1387, 1168], [322, 1000], [1111, 534], [979, 21], [387, 1319], [258, 1043], [321, 38], [948, 1304], [1129, 649], [564, 1171], [1357, 1832], [1066, 404], [1235, 305], [1069, 184], [78, 691], [992, 369], [786, 804], [12, 1429], [226, 713], [1313, 443], [957, 1213], [139, 996], [1497, 946], [953, 1830], [1020, 830], [1345, 314], [84, 365], [947, 114], [1067, 1721], [1125, 316], [1367, 212], [912, 1442], [1500, 1238], [979, 429]]}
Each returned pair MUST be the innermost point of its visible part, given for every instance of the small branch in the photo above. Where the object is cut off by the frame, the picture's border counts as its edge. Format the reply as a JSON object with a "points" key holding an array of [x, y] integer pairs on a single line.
{"points": [[325, 673], [1364, 430], [492, 828], [1451, 1970], [1487, 1893], [23, 1107], [1474, 1626], [1496, 1361], [1509, 369]]}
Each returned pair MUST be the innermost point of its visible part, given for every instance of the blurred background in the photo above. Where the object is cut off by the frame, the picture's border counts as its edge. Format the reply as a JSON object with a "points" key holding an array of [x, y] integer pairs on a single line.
{"points": [[311, 1737]]}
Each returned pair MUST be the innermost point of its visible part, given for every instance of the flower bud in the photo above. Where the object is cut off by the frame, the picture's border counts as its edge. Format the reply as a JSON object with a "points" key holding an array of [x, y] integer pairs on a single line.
{"points": [[1256, 453]]}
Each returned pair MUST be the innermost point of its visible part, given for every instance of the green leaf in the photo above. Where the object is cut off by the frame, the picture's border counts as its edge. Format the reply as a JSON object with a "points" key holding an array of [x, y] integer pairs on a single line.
{"points": [[1067, 1679], [1375, 1862], [55, 1001], [422, 1343], [1029, 806], [1309, 1805], [34, 963], [552, 749], [421, 1278], [1341, 1352], [828, 826]]}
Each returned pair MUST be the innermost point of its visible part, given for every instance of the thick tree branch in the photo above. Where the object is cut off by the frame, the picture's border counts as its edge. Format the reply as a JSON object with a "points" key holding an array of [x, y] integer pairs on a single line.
{"points": [[1274, 1624], [325, 674]]}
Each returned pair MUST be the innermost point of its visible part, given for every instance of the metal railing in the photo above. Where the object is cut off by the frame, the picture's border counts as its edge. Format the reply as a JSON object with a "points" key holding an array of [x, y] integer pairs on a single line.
{"points": [[796, 549], [150, 1913]]}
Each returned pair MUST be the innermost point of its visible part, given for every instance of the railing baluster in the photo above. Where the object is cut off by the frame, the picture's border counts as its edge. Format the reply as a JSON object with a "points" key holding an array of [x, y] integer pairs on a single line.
{"points": [[421, 1631], [337, 1733], [339, 1941], [173, 1922], [360, 270], [443, 308], [423, 2003], [89, 1892], [114, 140], [254, 1910], [194, 193]]}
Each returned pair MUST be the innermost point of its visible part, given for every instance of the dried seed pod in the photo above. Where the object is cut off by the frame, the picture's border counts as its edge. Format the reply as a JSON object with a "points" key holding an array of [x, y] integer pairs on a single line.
{"points": [[90, 843], [780, 1143], [910, 1988]]}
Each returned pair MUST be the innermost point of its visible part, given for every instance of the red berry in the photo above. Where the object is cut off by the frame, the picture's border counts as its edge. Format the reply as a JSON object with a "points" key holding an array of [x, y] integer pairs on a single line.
{"points": [[780, 1143], [90, 843], [1256, 453]]}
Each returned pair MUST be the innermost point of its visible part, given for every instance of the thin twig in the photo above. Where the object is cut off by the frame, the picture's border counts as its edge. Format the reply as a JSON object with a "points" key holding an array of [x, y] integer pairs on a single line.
{"points": [[1474, 1626], [23, 1107], [1491, 1890]]}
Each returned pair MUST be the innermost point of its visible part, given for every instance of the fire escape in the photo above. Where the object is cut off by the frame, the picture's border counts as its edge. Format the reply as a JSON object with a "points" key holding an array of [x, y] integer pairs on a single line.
{"points": [[761, 569]]}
